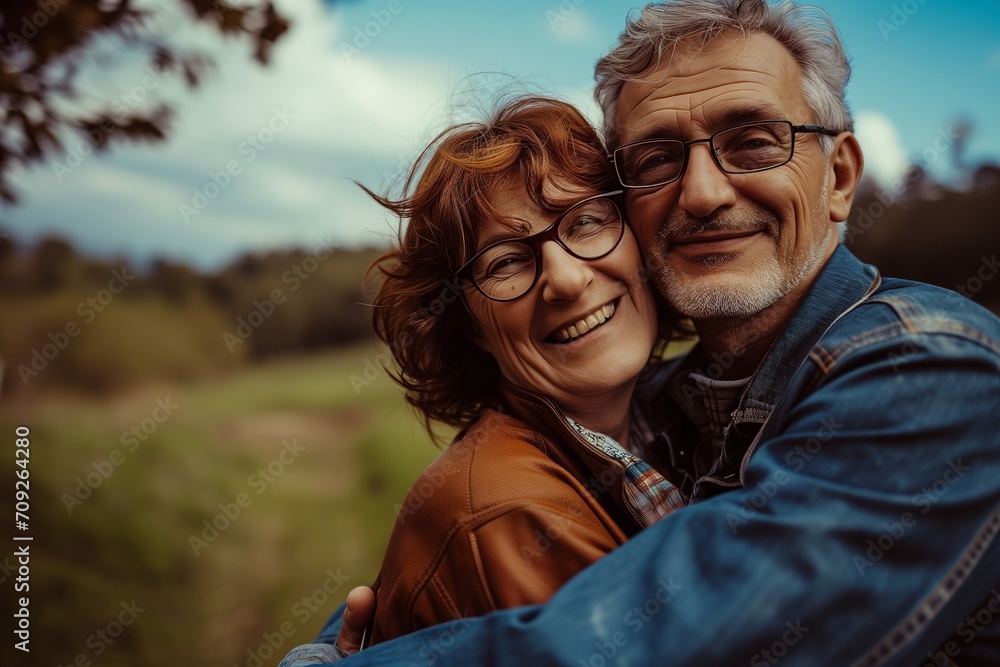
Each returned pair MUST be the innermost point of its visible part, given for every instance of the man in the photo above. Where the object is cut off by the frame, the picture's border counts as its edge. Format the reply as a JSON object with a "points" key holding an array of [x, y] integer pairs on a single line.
{"points": [[845, 485]]}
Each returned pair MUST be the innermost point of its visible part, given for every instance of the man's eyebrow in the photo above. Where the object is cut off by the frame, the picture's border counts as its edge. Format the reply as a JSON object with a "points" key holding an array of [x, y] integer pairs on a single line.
{"points": [[654, 133], [718, 120], [743, 114]]}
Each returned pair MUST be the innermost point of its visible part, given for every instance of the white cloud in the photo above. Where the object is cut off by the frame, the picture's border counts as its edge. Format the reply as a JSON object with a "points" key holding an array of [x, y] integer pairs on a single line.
{"points": [[358, 103], [349, 118], [570, 24], [885, 158]]}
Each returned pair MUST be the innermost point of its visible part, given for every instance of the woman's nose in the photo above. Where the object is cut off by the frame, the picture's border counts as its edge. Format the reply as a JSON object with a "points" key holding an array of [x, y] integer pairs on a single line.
{"points": [[562, 276]]}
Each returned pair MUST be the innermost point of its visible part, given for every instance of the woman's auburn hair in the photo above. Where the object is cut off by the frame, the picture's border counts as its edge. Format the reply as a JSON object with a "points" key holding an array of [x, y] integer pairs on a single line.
{"points": [[448, 195]]}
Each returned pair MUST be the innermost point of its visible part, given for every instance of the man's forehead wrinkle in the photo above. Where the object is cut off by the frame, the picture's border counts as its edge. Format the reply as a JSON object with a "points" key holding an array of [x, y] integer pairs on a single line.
{"points": [[635, 96], [707, 111], [700, 85], [765, 72], [723, 105], [677, 85]]}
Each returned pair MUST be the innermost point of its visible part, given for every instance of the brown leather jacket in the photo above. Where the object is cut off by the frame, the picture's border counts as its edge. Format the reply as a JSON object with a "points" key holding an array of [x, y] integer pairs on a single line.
{"points": [[504, 517]]}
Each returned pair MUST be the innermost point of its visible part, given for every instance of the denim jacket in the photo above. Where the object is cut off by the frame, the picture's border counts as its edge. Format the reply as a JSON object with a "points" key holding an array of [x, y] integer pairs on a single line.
{"points": [[852, 518]]}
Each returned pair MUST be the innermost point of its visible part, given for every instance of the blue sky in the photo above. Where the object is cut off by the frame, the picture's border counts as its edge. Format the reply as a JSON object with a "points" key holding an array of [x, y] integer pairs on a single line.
{"points": [[263, 158]]}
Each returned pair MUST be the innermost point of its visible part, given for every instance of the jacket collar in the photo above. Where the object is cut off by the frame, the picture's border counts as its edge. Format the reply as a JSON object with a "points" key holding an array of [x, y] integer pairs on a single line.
{"points": [[602, 474], [843, 282]]}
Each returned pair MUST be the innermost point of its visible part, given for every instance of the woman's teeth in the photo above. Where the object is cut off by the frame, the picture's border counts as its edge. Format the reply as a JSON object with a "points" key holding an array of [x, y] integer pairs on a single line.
{"points": [[592, 321]]}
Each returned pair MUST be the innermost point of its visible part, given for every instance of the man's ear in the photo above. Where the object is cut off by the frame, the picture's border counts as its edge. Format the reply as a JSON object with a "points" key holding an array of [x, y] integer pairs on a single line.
{"points": [[845, 165]]}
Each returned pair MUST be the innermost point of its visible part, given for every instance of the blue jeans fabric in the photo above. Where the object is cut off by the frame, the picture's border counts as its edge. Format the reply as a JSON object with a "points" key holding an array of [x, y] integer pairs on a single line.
{"points": [[313, 654], [852, 519]]}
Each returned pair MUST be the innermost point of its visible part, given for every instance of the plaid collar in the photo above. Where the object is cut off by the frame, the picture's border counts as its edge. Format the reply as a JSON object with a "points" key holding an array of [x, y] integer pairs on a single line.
{"points": [[646, 490]]}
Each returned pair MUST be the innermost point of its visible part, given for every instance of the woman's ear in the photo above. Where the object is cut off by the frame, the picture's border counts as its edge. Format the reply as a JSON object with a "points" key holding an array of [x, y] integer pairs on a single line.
{"points": [[845, 165], [476, 336], [473, 330]]}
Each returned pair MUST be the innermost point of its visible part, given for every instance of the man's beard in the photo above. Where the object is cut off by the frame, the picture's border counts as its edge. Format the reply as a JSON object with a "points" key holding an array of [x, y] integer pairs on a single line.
{"points": [[741, 295]]}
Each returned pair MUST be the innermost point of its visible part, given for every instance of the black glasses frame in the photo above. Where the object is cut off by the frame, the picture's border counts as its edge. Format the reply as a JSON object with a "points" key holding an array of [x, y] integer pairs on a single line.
{"points": [[535, 241], [796, 129]]}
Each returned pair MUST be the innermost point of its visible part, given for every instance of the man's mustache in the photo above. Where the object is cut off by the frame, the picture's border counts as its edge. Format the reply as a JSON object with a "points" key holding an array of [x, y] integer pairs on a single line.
{"points": [[682, 224]]}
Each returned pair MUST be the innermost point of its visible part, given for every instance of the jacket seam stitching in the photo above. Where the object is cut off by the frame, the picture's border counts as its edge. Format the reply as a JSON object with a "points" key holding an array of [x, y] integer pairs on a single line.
{"points": [[906, 310], [948, 328], [937, 598], [481, 569], [443, 592], [471, 523], [430, 573]]}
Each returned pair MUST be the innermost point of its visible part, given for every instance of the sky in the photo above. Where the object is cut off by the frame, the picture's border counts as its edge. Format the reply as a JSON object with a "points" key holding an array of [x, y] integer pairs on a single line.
{"points": [[266, 158]]}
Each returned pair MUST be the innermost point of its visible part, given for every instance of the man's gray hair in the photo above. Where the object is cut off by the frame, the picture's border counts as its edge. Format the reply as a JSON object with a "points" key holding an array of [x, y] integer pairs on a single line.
{"points": [[807, 32]]}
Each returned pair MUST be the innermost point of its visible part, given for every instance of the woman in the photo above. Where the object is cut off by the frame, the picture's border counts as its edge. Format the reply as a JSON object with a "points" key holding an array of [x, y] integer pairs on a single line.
{"points": [[516, 309]]}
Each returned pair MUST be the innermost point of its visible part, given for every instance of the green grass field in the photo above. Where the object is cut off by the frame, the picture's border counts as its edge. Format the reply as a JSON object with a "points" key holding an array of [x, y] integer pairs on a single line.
{"points": [[203, 523]]}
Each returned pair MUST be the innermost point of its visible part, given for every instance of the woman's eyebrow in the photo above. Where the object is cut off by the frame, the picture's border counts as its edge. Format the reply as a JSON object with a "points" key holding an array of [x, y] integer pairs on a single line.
{"points": [[518, 228]]}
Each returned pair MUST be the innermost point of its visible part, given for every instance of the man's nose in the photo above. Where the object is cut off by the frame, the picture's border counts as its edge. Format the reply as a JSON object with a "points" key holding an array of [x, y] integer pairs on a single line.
{"points": [[705, 188], [563, 276]]}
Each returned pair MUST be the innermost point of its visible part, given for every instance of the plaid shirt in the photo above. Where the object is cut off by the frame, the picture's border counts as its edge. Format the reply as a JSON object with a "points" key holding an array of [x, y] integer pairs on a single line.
{"points": [[646, 490]]}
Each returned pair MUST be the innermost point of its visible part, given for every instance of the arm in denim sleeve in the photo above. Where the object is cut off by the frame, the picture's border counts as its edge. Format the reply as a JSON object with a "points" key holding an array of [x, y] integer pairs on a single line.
{"points": [[865, 533]]}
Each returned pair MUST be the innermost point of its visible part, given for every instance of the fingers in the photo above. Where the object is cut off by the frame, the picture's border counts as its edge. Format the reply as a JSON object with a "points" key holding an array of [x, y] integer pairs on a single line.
{"points": [[359, 613]]}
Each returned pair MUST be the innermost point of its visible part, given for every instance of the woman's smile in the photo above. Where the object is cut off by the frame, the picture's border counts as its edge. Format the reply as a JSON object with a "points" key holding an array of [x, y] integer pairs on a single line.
{"points": [[585, 325]]}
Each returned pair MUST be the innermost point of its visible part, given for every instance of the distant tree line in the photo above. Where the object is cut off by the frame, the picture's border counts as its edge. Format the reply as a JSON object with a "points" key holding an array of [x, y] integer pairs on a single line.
{"points": [[929, 233], [101, 324]]}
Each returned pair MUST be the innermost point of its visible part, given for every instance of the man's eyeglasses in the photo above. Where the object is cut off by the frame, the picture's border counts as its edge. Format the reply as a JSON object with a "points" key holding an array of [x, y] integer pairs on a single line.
{"points": [[742, 149], [504, 271]]}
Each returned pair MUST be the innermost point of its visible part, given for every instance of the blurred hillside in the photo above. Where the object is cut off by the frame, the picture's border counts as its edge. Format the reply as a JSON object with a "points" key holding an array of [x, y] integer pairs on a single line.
{"points": [[98, 325], [218, 520]]}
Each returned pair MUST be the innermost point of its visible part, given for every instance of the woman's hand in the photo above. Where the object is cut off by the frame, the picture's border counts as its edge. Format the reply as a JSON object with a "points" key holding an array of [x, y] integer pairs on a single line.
{"points": [[358, 616]]}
